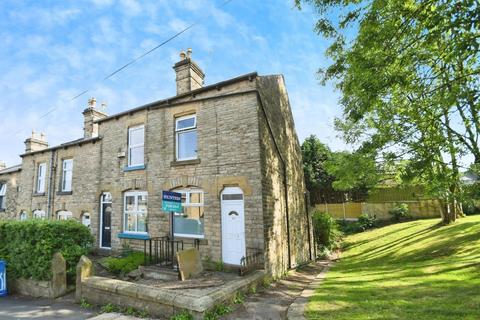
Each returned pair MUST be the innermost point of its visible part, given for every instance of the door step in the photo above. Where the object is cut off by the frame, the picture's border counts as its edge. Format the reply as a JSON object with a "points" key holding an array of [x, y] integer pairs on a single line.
{"points": [[158, 273]]}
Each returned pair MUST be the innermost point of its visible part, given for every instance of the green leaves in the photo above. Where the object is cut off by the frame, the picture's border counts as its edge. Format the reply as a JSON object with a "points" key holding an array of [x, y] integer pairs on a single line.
{"points": [[409, 76], [28, 246]]}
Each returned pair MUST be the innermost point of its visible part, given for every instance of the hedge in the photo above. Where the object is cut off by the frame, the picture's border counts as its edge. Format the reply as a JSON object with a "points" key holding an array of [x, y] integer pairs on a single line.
{"points": [[28, 246]]}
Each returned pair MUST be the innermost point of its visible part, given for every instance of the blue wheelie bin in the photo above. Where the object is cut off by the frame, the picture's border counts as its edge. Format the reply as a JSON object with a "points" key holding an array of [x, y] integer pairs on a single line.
{"points": [[3, 278]]}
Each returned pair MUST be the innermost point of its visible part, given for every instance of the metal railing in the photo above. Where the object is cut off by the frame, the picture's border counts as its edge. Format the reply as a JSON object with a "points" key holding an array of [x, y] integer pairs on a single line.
{"points": [[252, 261], [162, 251]]}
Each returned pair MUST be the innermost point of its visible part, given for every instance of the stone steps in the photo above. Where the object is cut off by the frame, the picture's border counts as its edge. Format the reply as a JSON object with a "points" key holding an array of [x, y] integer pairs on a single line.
{"points": [[158, 273]]}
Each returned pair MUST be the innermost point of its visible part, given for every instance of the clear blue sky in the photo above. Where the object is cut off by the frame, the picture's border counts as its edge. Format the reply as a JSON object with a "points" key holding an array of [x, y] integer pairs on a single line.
{"points": [[53, 50]]}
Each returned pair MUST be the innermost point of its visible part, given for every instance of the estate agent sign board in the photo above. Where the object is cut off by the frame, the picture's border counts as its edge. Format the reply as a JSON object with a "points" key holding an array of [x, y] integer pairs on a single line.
{"points": [[171, 201]]}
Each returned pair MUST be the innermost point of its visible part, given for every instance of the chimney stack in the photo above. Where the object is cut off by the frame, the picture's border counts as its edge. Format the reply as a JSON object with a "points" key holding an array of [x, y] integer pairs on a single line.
{"points": [[36, 142], [2, 165], [90, 115], [189, 76]]}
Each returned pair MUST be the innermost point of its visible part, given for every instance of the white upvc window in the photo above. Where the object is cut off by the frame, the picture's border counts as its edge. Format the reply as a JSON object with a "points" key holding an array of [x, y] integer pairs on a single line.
{"points": [[39, 214], [41, 174], [67, 173], [64, 215], [23, 216], [186, 138], [135, 212], [86, 219], [136, 146], [3, 195], [190, 222]]}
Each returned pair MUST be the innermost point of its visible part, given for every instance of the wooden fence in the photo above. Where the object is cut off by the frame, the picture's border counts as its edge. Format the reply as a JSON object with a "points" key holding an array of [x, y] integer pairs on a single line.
{"points": [[352, 210]]}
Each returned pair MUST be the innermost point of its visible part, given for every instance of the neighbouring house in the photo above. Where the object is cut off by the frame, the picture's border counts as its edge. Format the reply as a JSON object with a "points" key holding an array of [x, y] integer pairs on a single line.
{"points": [[9, 191], [469, 178], [229, 148]]}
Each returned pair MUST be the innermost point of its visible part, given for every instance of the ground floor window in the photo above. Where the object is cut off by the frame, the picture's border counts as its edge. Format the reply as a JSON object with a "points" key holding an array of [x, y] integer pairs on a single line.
{"points": [[23, 215], [86, 219], [64, 215], [3, 192], [39, 214], [135, 212], [190, 222]]}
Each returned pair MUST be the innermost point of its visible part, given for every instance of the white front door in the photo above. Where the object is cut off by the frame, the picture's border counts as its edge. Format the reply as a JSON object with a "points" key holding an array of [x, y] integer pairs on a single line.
{"points": [[233, 226]]}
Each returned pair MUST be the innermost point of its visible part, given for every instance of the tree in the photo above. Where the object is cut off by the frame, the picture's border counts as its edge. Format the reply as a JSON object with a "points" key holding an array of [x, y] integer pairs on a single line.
{"points": [[315, 154], [409, 74], [327, 172], [353, 171]]}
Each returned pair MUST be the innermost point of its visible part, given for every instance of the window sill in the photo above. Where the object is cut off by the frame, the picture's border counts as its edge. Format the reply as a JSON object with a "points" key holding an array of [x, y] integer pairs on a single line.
{"points": [[64, 193], [177, 163], [202, 240], [189, 236], [133, 168], [39, 194], [137, 236]]}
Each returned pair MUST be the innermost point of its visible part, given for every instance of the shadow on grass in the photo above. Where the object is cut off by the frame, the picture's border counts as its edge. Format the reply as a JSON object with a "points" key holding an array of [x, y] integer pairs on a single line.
{"points": [[414, 271], [425, 300]]}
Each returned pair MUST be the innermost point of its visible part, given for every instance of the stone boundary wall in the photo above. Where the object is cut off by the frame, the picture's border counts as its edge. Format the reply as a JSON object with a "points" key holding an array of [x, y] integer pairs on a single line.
{"points": [[158, 302], [54, 288]]}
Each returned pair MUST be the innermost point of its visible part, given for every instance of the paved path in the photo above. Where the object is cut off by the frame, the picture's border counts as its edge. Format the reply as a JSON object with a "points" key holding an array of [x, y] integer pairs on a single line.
{"points": [[19, 307], [296, 310], [272, 303], [267, 304]]}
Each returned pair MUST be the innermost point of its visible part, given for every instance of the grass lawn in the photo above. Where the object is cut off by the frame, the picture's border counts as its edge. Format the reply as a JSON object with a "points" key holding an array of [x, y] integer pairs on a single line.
{"points": [[413, 270]]}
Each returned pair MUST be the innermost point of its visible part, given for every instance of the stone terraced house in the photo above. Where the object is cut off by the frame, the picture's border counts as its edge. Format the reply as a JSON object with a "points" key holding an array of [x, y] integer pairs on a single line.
{"points": [[230, 148]]}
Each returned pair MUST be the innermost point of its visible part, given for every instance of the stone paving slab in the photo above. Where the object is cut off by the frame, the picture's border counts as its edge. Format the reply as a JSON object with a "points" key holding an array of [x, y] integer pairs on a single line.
{"points": [[296, 311], [272, 303]]}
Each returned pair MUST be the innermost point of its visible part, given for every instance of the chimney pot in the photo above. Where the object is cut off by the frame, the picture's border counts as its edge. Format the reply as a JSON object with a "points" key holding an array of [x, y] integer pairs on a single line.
{"points": [[92, 102]]}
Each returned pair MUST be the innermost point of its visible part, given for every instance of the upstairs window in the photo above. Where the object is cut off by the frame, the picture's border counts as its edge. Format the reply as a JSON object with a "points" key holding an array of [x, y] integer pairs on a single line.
{"points": [[42, 167], [3, 194], [67, 166], [186, 137], [136, 137], [135, 212]]}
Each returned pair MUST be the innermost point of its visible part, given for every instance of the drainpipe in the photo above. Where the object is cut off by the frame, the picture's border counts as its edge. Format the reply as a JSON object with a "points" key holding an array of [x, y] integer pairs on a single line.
{"points": [[285, 184], [51, 186]]}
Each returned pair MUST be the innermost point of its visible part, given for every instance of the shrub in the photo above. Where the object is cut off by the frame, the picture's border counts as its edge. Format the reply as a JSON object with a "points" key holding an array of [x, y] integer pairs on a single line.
{"points": [[399, 212], [326, 232], [366, 222], [28, 246], [470, 207], [125, 264]]}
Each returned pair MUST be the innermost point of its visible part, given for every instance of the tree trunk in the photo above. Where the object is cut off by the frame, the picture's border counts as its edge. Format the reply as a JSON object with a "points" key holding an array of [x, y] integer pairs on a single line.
{"points": [[448, 213]]}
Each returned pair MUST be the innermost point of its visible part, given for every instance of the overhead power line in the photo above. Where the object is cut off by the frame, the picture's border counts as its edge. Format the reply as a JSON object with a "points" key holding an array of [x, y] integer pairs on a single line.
{"points": [[131, 62]]}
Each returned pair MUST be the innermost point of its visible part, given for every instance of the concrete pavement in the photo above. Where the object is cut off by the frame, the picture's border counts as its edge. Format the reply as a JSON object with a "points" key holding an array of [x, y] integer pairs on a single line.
{"points": [[20, 307]]}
